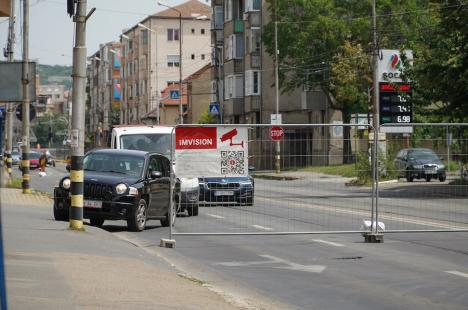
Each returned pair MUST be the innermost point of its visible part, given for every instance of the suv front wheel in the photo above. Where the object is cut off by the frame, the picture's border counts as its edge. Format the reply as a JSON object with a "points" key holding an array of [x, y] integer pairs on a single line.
{"points": [[137, 220]]}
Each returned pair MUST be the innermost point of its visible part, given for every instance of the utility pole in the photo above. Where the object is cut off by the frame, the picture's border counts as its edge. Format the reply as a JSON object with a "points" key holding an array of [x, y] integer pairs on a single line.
{"points": [[9, 105], [25, 80], [78, 113]]}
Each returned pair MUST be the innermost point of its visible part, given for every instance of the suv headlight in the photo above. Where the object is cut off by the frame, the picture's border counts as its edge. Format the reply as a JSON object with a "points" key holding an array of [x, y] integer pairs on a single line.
{"points": [[121, 188], [66, 183]]}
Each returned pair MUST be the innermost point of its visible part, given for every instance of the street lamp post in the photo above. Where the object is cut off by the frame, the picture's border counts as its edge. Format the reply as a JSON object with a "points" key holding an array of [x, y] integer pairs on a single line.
{"points": [[181, 110]]}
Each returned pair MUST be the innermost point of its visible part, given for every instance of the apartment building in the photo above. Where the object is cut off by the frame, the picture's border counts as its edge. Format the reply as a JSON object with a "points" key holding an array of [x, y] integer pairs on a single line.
{"points": [[53, 98], [104, 90], [243, 78], [152, 58]]}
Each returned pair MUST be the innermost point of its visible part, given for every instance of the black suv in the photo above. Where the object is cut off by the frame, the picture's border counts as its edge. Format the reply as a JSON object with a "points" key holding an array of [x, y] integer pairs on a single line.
{"points": [[120, 185], [420, 163]]}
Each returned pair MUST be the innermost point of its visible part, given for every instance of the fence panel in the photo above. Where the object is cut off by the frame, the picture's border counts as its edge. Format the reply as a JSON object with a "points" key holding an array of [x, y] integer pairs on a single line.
{"points": [[431, 193], [301, 198]]}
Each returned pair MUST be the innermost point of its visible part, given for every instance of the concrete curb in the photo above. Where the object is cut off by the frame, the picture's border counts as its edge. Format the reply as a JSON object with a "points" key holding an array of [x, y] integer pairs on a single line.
{"points": [[278, 177]]}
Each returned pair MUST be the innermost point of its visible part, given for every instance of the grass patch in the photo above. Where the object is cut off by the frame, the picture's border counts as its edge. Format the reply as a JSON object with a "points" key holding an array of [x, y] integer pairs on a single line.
{"points": [[15, 183], [348, 170], [191, 279]]}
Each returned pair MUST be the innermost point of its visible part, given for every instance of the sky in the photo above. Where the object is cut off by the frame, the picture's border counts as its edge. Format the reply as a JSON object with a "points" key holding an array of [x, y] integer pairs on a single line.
{"points": [[51, 30]]}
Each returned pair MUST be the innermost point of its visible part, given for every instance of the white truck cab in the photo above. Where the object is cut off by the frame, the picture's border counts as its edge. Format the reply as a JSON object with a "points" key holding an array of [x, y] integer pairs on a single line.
{"points": [[156, 139]]}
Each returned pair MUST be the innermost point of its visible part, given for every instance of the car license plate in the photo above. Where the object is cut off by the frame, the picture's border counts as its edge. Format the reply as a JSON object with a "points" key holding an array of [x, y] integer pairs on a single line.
{"points": [[92, 204], [224, 193], [430, 171]]}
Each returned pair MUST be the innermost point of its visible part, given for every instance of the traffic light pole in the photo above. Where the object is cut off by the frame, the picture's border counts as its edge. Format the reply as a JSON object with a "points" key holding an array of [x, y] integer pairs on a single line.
{"points": [[78, 117], [25, 80]]}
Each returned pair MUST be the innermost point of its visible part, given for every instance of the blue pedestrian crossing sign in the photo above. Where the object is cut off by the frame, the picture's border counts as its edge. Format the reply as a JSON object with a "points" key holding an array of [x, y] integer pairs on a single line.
{"points": [[214, 108], [174, 94]]}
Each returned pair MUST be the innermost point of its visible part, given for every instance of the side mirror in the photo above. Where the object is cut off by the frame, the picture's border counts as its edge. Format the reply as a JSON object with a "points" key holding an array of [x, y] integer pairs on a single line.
{"points": [[155, 175], [68, 167], [251, 168], [441, 157]]}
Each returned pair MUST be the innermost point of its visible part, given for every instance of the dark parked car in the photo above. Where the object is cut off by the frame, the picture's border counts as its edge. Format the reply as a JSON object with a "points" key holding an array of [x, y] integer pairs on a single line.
{"points": [[229, 190], [120, 185], [420, 163]]}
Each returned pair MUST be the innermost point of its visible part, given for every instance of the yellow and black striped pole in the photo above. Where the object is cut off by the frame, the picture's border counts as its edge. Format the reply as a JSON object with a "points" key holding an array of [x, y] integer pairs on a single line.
{"points": [[78, 114], [9, 162], [25, 170], [76, 207]]}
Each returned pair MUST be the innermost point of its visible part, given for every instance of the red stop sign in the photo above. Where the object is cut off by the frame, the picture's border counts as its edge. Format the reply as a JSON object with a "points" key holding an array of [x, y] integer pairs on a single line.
{"points": [[276, 133]]}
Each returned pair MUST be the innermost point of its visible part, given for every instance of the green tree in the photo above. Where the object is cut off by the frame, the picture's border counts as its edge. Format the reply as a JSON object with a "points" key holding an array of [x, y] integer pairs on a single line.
{"points": [[207, 118], [326, 44]]}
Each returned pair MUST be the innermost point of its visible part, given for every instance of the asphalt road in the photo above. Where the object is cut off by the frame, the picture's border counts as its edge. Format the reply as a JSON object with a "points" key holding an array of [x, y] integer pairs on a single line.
{"points": [[329, 271], [47, 183], [323, 271]]}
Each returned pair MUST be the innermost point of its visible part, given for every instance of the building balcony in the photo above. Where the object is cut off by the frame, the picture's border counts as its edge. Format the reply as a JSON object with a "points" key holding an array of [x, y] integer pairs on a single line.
{"points": [[255, 60], [238, 65], [234, 106], [238, 26], [252, 103]]}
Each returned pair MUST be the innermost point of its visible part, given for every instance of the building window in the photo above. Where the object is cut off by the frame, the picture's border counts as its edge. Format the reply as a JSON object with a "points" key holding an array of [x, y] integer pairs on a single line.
{"points": [[193, 30], [172, 34], [252, 83], [255, 39], [203, 56], [234, 46], [227, 10], [130, 45], [144, 36], [173, 60], [234, 86], [202, 31], [218, 15], [171, 83], [193, 56], [253, 5]]}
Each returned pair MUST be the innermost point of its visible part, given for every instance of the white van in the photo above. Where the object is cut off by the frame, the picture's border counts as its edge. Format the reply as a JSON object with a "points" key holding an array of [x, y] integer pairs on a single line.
{"points": [[156, 139]]}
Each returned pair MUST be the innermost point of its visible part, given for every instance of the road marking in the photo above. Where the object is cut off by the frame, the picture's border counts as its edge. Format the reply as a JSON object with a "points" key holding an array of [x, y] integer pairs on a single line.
{"points": [[215, 216], [367, 214], [262, 227], [458, 273], [327, 242], [276, 260]]}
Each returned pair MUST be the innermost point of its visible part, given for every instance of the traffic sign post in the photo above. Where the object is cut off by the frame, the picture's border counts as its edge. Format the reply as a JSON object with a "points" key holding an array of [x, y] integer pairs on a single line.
{"points": [[276, 133]]}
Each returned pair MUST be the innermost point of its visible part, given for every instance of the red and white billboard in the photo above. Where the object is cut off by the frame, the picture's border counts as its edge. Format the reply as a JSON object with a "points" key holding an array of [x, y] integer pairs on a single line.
{"points": [[211, 151]]}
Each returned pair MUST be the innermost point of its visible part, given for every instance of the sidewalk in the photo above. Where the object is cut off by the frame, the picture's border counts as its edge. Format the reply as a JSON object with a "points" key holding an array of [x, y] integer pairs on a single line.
{"points": [[51, 267]]}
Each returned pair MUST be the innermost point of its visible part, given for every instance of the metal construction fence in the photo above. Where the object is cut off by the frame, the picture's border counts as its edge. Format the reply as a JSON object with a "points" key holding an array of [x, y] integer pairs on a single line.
{"points": [[431, 166], [333, 180]]}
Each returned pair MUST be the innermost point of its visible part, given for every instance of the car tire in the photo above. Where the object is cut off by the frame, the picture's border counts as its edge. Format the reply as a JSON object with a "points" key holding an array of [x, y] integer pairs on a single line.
{"points": [[428, 178], [137, 220], [442, 178], [96, 222], [60, 214], [192, 209], [250, 202], [409, 176], [53, 164]]}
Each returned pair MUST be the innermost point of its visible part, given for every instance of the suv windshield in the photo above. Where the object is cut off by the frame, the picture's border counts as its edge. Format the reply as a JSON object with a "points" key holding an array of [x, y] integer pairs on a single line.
{"points": [[116, 163], [150, 142], [422, 154]]}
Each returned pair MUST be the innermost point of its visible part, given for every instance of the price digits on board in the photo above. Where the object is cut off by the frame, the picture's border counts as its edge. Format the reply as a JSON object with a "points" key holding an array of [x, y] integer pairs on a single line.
{"points": [[395, 103]]}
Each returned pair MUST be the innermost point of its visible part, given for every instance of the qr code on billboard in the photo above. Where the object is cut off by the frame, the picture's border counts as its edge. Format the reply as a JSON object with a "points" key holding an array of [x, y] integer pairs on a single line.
{"points": [[232, 162]]}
